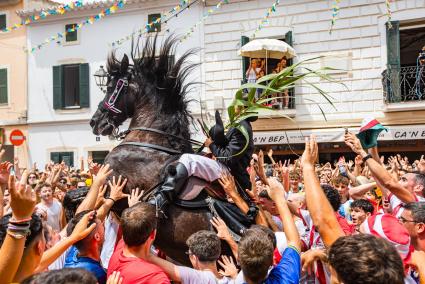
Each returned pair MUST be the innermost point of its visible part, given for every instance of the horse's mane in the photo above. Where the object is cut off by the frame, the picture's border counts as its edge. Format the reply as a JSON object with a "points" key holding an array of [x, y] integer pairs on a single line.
{"points": [[161, 81]]}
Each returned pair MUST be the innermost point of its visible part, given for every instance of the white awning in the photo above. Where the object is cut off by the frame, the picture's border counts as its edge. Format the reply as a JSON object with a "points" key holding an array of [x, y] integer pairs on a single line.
{"points": [[399, 132]]}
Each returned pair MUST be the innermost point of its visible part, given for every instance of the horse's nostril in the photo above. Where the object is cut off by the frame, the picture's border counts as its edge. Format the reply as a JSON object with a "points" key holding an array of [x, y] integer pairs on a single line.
{"points": [[92, 123]]}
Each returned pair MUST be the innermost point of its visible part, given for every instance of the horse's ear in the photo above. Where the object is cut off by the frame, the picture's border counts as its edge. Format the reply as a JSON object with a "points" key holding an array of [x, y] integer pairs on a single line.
{"points": [[124, 64]]}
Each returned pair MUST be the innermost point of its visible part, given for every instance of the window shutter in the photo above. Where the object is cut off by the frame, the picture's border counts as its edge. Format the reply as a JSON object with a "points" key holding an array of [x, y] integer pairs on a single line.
{"points": [[289, 39], [393, 60], [3, 86], [245, 60], [84, 85], [55, 157], [58, 87]]}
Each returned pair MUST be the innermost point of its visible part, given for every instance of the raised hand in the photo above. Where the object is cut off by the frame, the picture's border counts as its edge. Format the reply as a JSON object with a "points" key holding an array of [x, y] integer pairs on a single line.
{"points": [[114, 278], [22, 197], [221, 227], [229, 267], [116, 188], [5, 168], [81, 230], [227, 182], [101, 196], [134, 197], [103, 174], [354, 143], [275, 190], [421, 164], [311, 152]]}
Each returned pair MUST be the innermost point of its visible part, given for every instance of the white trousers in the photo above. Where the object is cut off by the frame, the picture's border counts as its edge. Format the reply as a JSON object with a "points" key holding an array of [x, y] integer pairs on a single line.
{"points": [[202, 167]]}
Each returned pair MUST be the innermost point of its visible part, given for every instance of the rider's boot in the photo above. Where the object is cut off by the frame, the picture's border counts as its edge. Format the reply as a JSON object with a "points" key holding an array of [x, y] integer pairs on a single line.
{"points": [[173, 183]]}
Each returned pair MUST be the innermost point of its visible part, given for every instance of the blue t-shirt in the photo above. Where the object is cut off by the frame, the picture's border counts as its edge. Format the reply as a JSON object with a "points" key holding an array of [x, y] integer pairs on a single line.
{"points": [[288, 270], [72, 260]]}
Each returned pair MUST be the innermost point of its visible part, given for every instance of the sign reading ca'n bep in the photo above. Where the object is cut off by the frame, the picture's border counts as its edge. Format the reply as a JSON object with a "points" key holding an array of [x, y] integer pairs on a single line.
{"points": [[410, 132]]}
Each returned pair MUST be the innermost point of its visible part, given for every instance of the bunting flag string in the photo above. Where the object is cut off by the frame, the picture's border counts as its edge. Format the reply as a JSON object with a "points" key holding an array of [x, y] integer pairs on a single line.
{"points": [[183, 4], [265, 20], [59, 10], [335, 12], [206, 15], [89, 21]]}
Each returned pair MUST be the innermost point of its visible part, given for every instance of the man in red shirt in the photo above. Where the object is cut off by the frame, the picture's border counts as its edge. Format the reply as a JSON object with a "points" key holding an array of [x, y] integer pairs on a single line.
{"points": [[138, 224]]}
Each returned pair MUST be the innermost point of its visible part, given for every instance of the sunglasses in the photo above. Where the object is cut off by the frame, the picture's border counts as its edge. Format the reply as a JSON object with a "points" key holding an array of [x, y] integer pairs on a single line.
{"points": [[32, 177]]}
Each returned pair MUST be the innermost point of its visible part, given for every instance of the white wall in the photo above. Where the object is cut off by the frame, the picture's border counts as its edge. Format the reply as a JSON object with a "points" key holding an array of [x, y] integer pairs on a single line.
{"points": [[93, 49]]}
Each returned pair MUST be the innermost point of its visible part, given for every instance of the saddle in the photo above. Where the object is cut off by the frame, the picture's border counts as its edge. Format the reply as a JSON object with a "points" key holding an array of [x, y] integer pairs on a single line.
{"points": [[199, 194]]}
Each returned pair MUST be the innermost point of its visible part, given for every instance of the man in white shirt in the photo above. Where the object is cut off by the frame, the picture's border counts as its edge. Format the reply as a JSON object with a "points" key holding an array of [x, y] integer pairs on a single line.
{"points": [[51, 206]]}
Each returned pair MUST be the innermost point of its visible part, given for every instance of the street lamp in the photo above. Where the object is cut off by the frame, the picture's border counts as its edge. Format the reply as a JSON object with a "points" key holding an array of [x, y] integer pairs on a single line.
{"points": [[101, 78]]}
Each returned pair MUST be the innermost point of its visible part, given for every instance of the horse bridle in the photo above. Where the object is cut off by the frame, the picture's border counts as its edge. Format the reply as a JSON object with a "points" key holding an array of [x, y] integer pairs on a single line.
{"points": [[120, 88]]}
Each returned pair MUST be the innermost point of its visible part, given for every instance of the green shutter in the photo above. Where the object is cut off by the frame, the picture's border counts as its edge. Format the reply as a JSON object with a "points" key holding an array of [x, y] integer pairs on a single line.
{"points": [[289, 39], [393, 60], [67, 158], [245, 60], [55, 157], [71, 36], [84, 78], [3, 86], [58, 87], [155, 27], [3, 21]]}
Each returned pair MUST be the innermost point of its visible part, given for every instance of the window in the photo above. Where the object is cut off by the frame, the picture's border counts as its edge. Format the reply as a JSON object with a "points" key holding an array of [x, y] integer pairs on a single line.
{"points": [[71, 86], [3, 86], [99, 156], [3, 21], [156, 27], [71, 36], [59, 157], [404, 79], [270, 66]]}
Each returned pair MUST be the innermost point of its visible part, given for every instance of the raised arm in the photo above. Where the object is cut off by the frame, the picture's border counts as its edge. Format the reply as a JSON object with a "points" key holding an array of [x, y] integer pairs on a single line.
{"points": [[90, 201], [22, 201], [358, 191], [321, 211], [277, 194], [80, 232], [379, 172]]}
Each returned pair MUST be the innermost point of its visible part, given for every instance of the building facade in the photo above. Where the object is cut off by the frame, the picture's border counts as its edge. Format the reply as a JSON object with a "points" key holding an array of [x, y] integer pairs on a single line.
{"points": [[377, 76], [13, 76], [379, 69], [62, 92]]}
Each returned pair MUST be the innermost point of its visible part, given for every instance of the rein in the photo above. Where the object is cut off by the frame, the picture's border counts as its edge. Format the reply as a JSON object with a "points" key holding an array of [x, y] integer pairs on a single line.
{"points": [[167, 150]]}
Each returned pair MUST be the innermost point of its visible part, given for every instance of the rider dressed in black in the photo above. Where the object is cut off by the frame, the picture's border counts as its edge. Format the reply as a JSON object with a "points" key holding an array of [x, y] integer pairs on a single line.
{"points": [[230, 149]]}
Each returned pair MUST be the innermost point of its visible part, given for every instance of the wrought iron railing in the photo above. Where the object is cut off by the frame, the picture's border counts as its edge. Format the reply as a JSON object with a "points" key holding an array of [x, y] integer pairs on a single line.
{"points": [[404, 84]]}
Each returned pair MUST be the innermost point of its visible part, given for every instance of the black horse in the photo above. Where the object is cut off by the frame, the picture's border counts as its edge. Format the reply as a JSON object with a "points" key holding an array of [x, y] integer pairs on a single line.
{"points": [[151, 92]]}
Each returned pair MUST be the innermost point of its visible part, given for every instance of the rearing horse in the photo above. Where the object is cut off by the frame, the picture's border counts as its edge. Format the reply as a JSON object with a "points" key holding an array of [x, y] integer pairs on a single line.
{"points": [[152, 93]]}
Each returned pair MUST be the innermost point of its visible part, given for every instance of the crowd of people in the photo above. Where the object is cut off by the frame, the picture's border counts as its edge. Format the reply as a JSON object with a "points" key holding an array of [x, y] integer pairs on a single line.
{"points": [[360, 221]]}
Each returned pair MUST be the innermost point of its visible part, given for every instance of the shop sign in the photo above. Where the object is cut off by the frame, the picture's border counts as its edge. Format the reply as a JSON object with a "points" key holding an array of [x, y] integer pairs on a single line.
{"points": [[410, 132]]}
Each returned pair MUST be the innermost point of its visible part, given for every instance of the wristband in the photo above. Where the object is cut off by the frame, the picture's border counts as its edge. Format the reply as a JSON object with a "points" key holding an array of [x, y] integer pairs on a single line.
{"points": [[18, 235], [15, 228], [13, 220], [110, 199], [26, 224], [367, 157]]}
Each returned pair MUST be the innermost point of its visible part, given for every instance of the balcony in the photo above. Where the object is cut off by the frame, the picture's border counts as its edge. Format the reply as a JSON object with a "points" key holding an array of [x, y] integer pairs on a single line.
{"points": [[284, 104], [405, 87]]}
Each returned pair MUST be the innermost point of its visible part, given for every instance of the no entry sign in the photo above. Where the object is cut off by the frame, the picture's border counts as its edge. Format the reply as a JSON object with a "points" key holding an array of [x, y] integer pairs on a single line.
{"points": [[17, 137]]}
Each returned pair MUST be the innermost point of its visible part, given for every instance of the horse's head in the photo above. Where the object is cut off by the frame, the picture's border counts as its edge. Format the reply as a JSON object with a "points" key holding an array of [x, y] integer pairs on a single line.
{"points": [[119, 101]]}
